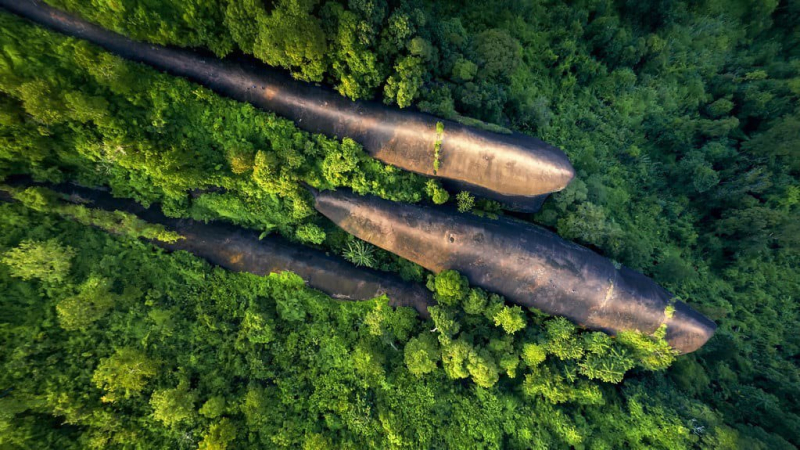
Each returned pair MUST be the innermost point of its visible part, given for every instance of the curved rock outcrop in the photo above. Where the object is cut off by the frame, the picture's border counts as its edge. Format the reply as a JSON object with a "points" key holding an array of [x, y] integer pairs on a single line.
{"points": [[515, 169], [527, 264], [241, 250]]}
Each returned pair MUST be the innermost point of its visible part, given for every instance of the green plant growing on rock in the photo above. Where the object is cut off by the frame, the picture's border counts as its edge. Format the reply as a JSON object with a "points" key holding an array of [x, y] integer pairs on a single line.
{"points": [[465, 201], [310, 233], [437, 146], [437, 193], [360, 253]]}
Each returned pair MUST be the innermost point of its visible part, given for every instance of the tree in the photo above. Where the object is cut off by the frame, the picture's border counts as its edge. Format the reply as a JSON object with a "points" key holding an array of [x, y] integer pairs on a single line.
{"points": [[292, 38], [340, 162], [241, 19], [173, 406], [257, 327], [354, 64], [87, 107], [43, 102], [421, 354], [455, 356], [213, 407], [605, 359], [781, 139], [241, 158], [368, 362], [218, 436], [124, 374], [445, 323], [651, 352], [450, 287], [498, 54], [543, 381], [289, 301], [590, 224], [37, 198], [475, 302], [562, 339], [48, 261], [404, 85], [511, 319], [533, 354], [720, 107], [93, 301], [464, 70], [482, 368]]}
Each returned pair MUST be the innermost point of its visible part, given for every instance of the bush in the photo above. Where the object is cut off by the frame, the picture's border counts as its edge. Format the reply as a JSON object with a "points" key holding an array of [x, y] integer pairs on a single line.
{"points": [[466, 201], [310, 233]]}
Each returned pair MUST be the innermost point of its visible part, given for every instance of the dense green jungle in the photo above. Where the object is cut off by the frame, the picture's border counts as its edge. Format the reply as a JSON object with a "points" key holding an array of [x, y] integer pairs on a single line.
{"points": [[681, 119]]}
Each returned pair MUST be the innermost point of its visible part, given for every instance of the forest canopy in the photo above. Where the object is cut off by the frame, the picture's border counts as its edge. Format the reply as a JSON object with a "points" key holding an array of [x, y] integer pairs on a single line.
{"points": [[681, 119]]}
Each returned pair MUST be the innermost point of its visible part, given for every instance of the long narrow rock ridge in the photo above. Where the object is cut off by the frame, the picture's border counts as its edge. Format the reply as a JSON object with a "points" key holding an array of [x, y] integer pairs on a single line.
{"points": [[527, 264], [515, 169], [240, 250]]}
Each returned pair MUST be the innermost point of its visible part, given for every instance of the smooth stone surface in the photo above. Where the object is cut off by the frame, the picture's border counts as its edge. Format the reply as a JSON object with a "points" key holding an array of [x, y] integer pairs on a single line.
{"points": [[529, 265], [515, 169], [240, 250]]}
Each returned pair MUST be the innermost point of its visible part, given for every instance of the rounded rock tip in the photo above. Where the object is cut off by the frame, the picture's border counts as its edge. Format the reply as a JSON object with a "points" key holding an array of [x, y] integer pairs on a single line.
{"points": [[567, 174], [687, 329]]}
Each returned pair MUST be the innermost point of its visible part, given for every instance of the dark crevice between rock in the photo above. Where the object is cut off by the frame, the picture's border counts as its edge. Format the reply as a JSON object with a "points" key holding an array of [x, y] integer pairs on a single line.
{"points": [[515, 169], [240, 250]]}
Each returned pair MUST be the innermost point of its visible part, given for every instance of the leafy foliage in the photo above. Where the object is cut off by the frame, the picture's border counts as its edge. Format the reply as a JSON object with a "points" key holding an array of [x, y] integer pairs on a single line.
{"points": [[118, 222], [680, 118], [449, 287], [47, 261], [90, 304], [164, 352], [125, 374], [465, 201], [360, 253]]}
